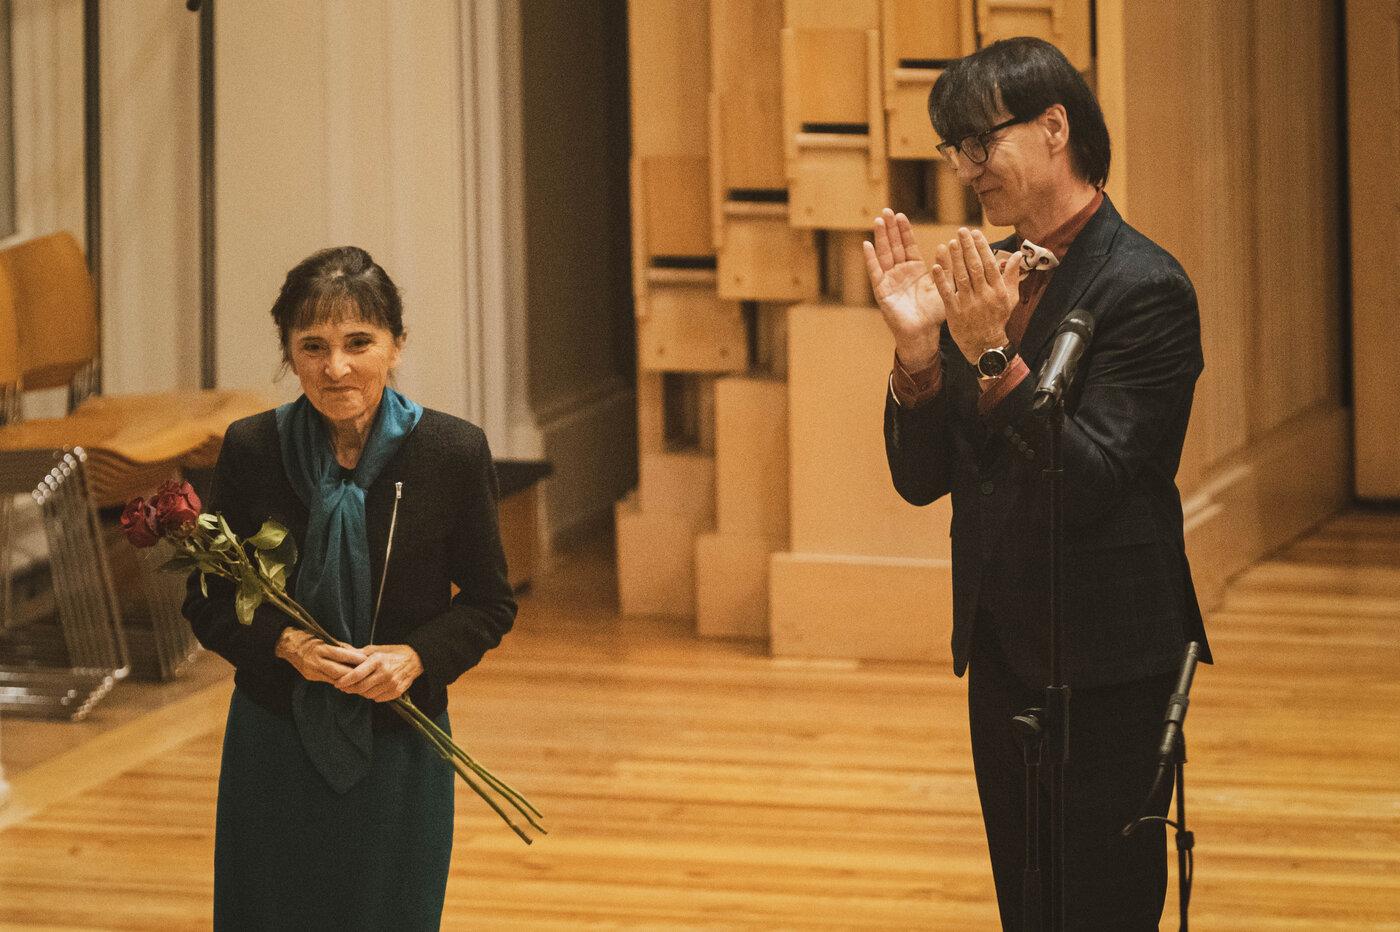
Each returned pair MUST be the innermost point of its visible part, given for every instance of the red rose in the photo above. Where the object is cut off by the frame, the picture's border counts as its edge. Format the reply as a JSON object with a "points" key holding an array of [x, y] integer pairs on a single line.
{"points": [[139, 523], [176, 509]]}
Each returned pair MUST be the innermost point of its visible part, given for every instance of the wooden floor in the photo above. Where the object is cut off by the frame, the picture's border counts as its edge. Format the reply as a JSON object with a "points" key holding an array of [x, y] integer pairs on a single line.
{"points": [[703, 785]]}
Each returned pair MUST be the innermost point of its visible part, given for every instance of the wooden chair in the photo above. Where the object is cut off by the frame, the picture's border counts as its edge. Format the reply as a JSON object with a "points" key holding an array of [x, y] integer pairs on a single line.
{"points": [[132, 443]]}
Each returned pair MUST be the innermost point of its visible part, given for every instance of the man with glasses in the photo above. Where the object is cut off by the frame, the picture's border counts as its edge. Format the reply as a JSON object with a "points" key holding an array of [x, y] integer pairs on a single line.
{"points": [[971, 331]]}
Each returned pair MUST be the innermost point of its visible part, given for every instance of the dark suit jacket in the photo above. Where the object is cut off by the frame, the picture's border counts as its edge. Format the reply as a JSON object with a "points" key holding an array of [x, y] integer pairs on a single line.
{"points": [[1129, 603], [446, 533]]}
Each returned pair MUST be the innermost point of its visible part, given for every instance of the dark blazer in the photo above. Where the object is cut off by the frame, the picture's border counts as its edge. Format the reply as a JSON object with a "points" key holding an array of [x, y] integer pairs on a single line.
{"points": [[1129, 603], [446, 533]]}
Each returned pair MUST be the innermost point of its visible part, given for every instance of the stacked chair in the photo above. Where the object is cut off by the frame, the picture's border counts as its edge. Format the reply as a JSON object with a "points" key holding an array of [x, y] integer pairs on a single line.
{"points": [[116, 614]]}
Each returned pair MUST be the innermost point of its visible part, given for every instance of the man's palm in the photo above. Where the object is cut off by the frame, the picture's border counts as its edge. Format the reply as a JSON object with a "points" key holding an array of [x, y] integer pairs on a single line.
{"points": [[909, 299]]}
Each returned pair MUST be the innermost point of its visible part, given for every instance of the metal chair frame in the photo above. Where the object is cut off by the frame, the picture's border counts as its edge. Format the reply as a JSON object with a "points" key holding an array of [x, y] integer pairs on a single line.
{"points": [[88, 610]]}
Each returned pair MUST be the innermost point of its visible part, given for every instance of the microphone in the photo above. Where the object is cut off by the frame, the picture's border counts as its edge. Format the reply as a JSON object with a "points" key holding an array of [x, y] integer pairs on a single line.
{"points": [[1057, 372], [1176, 705]]}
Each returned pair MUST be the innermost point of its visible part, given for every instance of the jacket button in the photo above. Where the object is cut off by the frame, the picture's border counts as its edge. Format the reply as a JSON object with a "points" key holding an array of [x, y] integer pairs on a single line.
{"points": [[988, 488], [1008, 431]]}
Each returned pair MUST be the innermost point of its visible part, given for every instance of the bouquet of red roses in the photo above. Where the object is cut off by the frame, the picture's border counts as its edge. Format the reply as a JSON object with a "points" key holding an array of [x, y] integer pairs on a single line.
{"points": [[258, 568]]}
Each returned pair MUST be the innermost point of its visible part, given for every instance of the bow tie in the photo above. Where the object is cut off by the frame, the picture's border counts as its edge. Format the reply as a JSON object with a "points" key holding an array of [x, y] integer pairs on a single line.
{"points": [[1036, 258]]}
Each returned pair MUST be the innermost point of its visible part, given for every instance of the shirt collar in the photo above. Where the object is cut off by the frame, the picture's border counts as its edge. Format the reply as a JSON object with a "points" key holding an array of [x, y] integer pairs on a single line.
{"points": [[1059, 240]]}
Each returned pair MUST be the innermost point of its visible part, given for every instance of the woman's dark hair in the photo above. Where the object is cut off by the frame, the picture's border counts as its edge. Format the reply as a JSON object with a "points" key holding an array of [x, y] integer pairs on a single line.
{"points": [[333, 284], [1025, 76]]}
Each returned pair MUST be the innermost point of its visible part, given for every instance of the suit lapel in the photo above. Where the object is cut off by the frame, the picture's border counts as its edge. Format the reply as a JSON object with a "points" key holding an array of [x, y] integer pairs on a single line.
{"points": [[1086, 257]]}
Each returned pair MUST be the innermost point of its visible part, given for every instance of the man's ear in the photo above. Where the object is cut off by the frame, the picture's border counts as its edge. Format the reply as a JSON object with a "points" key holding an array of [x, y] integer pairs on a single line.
{"points": [[1055, 122]]}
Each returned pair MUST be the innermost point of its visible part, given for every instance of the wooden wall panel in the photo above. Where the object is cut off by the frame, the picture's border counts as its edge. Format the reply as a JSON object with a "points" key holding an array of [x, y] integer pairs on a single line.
{"points": [[1230, 125], [1296, 197], [747, 84], [1373, 107], [1188, 139], [669, 51]]}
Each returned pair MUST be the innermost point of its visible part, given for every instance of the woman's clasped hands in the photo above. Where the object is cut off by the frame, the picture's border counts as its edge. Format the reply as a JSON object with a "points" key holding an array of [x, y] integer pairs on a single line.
{"points": [[378, 672]]}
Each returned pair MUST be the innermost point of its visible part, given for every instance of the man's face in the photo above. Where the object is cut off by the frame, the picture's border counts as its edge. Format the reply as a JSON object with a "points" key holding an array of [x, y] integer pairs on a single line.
{"points": [[1010, 184]]}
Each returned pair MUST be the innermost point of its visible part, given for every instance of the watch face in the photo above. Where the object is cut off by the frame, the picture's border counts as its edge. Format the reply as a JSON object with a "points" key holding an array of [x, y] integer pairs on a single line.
{"points": [[992, 363]]}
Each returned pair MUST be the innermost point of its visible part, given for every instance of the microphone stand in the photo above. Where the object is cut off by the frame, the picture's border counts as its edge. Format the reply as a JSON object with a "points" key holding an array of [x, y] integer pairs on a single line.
{"points": [[1173, 759], [1050, 723]]}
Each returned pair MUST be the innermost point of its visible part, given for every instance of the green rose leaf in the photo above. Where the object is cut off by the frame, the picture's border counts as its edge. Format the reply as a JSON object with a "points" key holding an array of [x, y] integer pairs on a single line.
{"points": [[249, 596], [268, 537], [272, 569], [286, 551]]}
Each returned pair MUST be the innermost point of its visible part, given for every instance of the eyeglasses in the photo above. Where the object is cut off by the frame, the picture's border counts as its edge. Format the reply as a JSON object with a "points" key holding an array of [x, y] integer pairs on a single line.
{"points": [[974, 147]]}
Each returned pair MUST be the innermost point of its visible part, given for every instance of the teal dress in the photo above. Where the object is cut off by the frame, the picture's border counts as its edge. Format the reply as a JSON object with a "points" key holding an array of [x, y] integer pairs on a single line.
{"points": [[293, 854]]}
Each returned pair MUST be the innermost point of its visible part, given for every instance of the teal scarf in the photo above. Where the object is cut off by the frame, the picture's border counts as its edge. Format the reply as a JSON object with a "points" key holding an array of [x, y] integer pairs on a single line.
{"points": [[333, 580]]}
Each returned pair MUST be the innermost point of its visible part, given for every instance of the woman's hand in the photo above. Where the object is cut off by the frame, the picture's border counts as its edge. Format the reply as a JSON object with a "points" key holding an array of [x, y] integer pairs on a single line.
{"points": [[904, 290], [314, 659], [386, 673]]}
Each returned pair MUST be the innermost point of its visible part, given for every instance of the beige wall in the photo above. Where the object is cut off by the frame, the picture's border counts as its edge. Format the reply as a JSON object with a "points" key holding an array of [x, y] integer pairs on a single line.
{"points": [[573, 171], [393, 126], [1230, 151], [1373, 103]]}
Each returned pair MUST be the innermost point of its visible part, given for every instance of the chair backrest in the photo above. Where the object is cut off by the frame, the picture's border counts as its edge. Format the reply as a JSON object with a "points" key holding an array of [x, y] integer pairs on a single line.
{"points": [[55, 307], [9, 334]]}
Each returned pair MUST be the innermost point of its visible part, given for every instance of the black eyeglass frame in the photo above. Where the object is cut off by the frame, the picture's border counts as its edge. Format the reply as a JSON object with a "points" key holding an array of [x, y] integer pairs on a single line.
{"points": [[984, 141]]}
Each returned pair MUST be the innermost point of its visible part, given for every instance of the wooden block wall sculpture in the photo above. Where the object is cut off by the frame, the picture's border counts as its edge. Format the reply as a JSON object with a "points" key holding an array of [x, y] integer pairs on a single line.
{"points": [[833, 114], [760, 256], [751, 458], [680, 483], [656, 530], [1066, 23], [767, 135], [920, 37], [867, 608], [682, 324], [751, 499], [655, 560], [842, 498], [651, 413], [731, 585]]}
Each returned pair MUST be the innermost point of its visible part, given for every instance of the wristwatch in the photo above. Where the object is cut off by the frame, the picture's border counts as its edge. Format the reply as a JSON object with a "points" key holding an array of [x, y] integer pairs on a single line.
{"points": [[993, 362]]}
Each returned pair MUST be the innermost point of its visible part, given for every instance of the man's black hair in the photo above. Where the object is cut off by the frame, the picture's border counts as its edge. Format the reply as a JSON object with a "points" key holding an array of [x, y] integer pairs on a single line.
{"points": [[1024, 76]]}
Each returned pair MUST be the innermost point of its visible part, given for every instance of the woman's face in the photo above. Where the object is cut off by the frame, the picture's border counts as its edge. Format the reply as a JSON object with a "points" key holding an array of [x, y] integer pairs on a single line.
{"points": [[343, 366]]}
